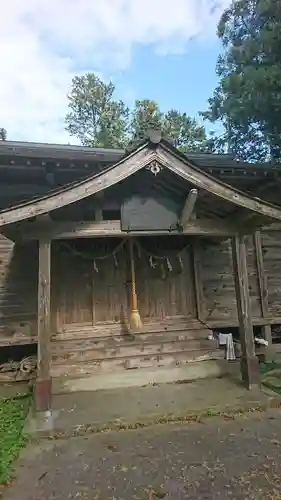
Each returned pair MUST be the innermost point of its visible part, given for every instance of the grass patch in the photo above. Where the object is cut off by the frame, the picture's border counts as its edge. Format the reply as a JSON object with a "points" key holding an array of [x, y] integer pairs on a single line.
{"points": [[265, 368], [13, 412], [271, 375]]}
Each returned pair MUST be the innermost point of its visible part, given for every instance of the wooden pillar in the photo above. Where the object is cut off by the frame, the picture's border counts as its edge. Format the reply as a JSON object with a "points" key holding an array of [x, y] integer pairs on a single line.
{"points": [[267, 335], [43, 382], [262, 282], [263, 291], [198, 285], [249, 361]]}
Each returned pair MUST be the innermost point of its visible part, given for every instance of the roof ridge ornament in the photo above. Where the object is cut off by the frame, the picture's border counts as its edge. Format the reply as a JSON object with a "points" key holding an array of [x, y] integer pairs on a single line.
{"points": [[154, 167]]}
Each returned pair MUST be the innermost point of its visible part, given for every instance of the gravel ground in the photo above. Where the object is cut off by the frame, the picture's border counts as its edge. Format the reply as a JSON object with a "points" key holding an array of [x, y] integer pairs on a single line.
{"points": [[217, 459]]}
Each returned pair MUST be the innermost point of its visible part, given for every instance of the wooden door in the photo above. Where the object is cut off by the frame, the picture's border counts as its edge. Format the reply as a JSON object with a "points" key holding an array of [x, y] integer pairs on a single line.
{"points": [[165, 286], [88, 290]]}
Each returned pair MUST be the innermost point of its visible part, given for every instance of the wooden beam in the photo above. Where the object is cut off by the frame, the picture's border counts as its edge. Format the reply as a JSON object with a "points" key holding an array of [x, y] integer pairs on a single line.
{"points": [[188, 207], [43, 382], [275, 226], [199, 179], [262, 281], [91, 229], [249, 361]]}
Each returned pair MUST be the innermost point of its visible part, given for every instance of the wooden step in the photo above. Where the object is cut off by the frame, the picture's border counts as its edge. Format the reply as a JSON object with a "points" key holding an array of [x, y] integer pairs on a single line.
{"points": [[168, 359], [113, 330], [115, 341], [158, 323], [127, 349]]}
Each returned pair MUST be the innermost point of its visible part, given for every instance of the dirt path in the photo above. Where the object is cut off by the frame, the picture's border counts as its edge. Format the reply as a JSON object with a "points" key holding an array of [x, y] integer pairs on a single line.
{"points": [[218, 459]]}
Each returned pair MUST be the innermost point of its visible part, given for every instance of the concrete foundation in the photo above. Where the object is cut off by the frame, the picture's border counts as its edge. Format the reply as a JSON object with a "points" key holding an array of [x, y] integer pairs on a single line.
{"points": [[140, 377]]}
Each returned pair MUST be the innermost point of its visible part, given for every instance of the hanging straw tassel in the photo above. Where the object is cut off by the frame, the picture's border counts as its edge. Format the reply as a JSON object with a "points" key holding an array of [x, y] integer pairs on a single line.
{"points": [[135, 320]]}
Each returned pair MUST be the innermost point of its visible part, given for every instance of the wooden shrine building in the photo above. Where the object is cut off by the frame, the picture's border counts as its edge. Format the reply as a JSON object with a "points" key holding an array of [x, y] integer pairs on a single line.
{"points": [[115, 262]]}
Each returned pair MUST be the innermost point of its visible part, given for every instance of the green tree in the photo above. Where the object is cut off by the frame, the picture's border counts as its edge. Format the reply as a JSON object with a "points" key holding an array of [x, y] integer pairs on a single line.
{"points": [[3, 134], [247, 99], [95, 117], [98, 120], [145, 115], [184, 131]]}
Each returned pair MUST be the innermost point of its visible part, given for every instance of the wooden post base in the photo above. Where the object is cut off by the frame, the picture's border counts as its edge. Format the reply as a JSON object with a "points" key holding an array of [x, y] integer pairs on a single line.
{"points": [[250, 371], [267, 335], [43, 395]]}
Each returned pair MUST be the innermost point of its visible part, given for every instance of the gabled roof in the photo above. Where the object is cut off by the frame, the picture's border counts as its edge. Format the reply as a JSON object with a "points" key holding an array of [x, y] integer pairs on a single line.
{"points": [[153, 150], [29, 169], [108, 155]]}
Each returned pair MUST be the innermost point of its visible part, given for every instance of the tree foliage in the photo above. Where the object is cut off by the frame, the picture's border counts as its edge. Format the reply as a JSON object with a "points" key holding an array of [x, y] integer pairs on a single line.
{"points": [[97, 119], [247, 99], [145, 115], [184, 131]]}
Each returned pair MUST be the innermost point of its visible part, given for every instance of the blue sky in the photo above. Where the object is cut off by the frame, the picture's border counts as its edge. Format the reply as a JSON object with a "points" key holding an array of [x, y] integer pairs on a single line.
{"points": [[181, 81], [159, 49]]}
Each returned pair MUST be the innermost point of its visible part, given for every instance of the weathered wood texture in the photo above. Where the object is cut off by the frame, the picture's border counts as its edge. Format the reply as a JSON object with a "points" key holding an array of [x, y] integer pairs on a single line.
{"points": [[271, 250], [44, 309], [217, 277], [84, 351], [44, 354], [249, 362], [93, 308], [253, 279], [262, 278], [89, 290], [166, 290], [18, 292], [217, 281], [82, 295], [144, 157], [91, 229]]}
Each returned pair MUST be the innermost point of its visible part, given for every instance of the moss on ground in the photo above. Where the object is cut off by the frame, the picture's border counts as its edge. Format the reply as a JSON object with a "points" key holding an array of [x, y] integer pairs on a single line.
{"points": [[13, 412]]}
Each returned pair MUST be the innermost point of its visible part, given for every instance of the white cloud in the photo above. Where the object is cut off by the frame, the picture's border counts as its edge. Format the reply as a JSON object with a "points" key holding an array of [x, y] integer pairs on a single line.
{"points": [[45, 41]]}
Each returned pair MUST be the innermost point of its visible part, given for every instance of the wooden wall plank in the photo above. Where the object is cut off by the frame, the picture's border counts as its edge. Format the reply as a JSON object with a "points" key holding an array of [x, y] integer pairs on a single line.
{"points": [[198, 282], [165, 287], [262, 281], [218, 281], [253, 277], [18, 290], [271, 249]]}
